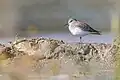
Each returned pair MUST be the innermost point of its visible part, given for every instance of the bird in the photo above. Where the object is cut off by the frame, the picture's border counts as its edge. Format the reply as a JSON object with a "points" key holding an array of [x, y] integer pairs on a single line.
{"points": [[80, 28]]}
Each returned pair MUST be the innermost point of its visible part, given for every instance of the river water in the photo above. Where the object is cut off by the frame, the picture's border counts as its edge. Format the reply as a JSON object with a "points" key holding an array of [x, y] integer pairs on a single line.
{"points": [[67, 37]]}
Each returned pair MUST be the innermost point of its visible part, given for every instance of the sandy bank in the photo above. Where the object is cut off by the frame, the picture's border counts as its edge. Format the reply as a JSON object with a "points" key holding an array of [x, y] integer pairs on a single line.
{"points": [[42, 58]]}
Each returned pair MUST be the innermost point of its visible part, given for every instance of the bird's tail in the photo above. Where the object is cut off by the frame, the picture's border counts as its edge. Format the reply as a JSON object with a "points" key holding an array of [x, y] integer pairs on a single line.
{"points": [[97, 32]]}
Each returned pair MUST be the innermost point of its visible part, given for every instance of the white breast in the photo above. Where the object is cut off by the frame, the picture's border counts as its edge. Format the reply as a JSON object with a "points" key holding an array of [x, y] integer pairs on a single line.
{"points": [[77, 31]]}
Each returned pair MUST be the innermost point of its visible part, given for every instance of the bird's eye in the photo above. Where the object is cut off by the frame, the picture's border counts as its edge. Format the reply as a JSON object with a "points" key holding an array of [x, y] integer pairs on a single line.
{"points": [[71, 21]]}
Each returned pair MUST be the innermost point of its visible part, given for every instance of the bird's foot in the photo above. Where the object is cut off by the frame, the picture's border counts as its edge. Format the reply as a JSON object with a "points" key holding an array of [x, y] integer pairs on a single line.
{"points": [[80, 43]]}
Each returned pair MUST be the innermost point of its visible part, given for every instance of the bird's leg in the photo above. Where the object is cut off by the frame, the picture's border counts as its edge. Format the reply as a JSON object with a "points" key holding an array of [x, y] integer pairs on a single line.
{"points": [[80, 39], [80, 43]]}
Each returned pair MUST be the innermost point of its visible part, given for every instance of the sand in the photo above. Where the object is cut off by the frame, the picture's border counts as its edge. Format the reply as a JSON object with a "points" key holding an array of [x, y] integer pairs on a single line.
{"points": [[49, 59]]}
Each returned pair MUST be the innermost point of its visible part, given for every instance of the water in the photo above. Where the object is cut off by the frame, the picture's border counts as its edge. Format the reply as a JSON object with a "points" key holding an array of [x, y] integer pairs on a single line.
{"points": [[67, 37]]}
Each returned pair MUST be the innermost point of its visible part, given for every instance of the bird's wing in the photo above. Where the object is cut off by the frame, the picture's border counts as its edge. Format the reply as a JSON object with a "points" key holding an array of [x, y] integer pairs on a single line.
{"points": [[86, 27]]}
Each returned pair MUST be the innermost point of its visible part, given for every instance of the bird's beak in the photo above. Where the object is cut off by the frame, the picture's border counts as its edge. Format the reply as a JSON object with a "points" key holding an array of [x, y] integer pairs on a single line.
{"points": [[66, 25]]}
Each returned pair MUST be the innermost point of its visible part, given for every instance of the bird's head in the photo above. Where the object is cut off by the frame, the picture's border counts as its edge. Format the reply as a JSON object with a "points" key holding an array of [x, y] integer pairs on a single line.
{"points": [[70, 21]]}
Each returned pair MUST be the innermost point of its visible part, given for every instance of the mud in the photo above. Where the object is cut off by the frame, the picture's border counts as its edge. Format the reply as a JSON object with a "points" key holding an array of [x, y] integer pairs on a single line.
{"points": [[44, 59]]}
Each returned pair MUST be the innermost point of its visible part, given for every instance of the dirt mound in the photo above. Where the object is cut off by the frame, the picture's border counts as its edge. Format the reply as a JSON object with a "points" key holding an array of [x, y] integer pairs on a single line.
{"points": [[43, 58]]}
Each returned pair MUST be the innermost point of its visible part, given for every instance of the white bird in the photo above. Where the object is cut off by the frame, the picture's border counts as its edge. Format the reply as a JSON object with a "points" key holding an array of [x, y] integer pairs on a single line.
{"points": [[79, 28]]}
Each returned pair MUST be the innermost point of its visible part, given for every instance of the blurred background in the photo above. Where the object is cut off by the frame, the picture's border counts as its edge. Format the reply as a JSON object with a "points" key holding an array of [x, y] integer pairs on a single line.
{"points": [[46, 18], [28, 17]]}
